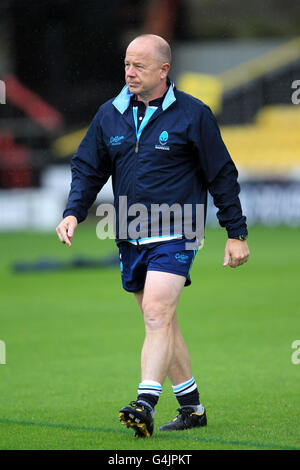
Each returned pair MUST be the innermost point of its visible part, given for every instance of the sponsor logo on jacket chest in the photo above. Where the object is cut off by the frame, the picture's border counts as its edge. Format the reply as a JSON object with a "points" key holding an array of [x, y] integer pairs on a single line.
{"points": [[163, 140], [116, 140]]}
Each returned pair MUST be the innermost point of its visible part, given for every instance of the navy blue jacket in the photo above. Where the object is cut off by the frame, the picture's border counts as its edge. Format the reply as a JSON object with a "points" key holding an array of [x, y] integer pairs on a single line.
{"points": [[175, 156]]}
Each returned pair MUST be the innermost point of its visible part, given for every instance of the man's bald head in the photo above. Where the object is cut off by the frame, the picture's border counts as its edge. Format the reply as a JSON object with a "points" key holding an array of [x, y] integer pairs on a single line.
{"points": [[159, 46], [147, 64]]}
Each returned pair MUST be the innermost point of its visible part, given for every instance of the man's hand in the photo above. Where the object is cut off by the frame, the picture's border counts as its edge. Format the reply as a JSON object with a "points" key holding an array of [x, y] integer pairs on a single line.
{"points": [[65, 230], [236, 253]]}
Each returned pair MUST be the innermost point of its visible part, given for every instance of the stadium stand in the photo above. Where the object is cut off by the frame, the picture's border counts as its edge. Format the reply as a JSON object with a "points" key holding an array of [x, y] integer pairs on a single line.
{"points": [[252, 100], [270, 147]]}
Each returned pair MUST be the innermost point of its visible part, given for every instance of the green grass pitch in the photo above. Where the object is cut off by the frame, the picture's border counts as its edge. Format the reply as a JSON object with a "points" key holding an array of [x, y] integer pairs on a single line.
{"points": [[73, 341]]}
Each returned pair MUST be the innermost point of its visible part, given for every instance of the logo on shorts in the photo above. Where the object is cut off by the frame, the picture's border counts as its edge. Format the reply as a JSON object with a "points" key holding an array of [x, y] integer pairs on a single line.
{"points": [[181, 257]]}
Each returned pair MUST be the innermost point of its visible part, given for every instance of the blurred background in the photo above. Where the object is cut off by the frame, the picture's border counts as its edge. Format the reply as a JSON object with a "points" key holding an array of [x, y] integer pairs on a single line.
{"points": [[61, 59]]}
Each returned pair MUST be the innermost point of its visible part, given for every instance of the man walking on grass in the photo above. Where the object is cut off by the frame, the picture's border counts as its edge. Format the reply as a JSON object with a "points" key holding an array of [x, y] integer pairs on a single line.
{"points": [[162, 147]]}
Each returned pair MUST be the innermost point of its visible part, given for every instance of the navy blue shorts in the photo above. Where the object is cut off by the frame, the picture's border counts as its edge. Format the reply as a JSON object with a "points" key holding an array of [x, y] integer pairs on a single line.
{"points": [[168, 256]]}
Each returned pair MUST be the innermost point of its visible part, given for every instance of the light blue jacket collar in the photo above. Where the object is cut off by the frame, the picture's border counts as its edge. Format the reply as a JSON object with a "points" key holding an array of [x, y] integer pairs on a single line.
{"points": [[121, 102]]}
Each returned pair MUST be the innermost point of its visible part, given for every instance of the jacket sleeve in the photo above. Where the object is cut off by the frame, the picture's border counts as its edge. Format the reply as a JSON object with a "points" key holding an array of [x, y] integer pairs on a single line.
{"points": [[220, 174], [91, 169]]}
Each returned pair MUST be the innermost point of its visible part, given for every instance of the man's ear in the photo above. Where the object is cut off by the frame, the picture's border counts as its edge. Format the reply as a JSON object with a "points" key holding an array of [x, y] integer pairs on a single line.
{"points": [[165, 70]]}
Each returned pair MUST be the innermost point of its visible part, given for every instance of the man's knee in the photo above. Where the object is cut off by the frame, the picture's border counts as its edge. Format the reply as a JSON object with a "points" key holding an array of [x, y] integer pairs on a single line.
{"points": [[157, 314]]}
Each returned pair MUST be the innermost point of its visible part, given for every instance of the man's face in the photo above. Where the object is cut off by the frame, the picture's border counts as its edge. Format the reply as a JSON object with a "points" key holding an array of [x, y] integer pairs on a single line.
{"points": [[143, 72]]}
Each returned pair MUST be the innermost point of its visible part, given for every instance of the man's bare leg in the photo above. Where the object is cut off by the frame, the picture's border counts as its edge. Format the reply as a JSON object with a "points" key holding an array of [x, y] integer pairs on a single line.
{"points": [[180, 365], [164, 353], [158, 304]]}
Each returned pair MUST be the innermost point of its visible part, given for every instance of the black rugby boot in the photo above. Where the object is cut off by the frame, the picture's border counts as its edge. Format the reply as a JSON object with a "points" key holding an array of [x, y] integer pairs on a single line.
{"points": [[187, 418], [138, 417]]}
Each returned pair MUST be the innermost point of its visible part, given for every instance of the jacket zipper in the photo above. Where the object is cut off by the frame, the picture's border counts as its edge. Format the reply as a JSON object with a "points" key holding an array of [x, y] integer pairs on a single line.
{"points": [[134, 170]]}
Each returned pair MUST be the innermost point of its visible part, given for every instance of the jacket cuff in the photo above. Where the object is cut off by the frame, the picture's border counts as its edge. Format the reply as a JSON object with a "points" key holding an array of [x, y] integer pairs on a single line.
{"points": [[72, 212], [234, 233]]}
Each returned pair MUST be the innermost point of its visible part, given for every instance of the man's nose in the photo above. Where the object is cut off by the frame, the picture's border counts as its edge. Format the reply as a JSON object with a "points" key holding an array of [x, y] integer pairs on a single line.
{"points": [[130, 71]]}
